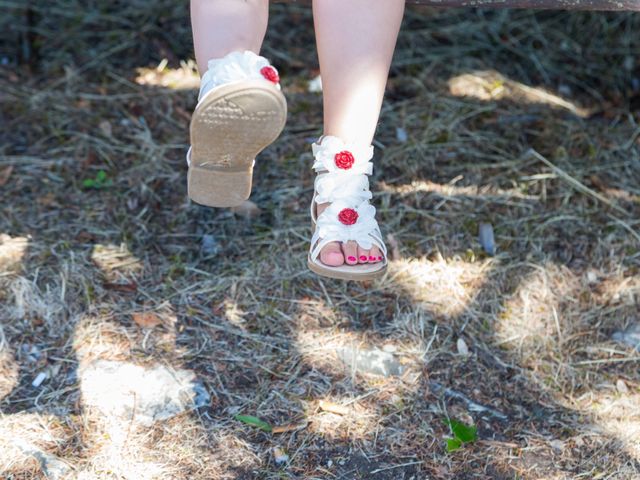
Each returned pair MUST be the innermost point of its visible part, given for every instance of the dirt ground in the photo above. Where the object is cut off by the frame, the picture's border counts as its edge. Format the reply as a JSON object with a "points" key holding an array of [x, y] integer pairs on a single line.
{"points": [[527, 122]]}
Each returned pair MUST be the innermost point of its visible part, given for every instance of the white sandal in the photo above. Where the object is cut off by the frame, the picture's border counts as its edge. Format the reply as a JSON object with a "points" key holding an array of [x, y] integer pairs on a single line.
{"points": [[342, 181], [240, 111]]}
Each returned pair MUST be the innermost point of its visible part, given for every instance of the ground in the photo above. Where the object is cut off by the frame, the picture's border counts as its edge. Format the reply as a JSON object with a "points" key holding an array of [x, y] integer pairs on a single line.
{"points": [[526, 122]]}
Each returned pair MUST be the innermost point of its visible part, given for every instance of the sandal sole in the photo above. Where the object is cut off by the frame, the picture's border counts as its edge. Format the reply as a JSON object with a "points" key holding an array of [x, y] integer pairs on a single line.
{"points": [[359, 273], [228, 130]]}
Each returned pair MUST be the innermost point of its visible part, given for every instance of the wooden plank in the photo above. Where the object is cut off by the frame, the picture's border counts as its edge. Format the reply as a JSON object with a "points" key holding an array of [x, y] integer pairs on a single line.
{"points": [[602, 5]]}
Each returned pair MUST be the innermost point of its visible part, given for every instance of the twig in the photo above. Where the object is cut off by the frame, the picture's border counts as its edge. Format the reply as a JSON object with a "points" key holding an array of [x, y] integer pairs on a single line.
{"points": [[575, 183], [472, 405], [395, 466]]}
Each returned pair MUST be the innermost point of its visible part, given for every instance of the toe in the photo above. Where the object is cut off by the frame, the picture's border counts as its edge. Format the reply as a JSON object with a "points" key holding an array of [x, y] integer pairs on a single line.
{"points": [[350, 250], [375, 255], [363, 255], [331, 255]]}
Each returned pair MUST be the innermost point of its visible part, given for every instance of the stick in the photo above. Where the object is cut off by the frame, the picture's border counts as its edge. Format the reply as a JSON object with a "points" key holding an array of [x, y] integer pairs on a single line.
{"points": [[575, 183]]}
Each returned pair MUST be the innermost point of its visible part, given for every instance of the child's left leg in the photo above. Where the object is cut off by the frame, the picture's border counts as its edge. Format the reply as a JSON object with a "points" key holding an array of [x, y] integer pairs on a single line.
{"points": [[356, 40]]}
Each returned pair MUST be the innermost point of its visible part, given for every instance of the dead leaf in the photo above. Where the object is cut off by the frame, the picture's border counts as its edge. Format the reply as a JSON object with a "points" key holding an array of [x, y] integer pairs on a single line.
{"points": [[146, 319], [5, 173], [122, 287], [292, 427], [333, 408]]}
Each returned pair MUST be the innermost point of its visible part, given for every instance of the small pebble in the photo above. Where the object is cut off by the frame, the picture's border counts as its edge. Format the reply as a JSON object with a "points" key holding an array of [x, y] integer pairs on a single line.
{"points": [[622, 387], [487, 239], [41, 377], [462, 347], [401, 135]]}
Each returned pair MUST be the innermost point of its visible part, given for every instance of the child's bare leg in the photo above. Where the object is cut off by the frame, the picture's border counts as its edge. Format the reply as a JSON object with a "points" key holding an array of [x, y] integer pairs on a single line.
{"points": [[356, 40], [223, 26]]}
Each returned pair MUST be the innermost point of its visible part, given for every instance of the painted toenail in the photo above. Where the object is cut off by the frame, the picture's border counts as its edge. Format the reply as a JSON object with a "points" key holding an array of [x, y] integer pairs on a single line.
{"points": [[379, 258], [351, 258], [372, 258], [363, 257]]}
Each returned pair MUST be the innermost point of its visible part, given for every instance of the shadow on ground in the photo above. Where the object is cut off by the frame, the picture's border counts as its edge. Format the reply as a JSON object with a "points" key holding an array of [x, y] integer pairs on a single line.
{"points": [[229, 297]]}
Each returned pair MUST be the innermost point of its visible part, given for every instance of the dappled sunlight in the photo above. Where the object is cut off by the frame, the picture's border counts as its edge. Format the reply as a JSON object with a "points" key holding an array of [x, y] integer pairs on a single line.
{"points": [[489, 85], [444, 287], [101, 338], [614, 409], [183, 78], [343, 418], [30, 442], [9, 368], [451, 190], [116, 261], [12, 251], [347, 353], [538, 315], [234, 314]]}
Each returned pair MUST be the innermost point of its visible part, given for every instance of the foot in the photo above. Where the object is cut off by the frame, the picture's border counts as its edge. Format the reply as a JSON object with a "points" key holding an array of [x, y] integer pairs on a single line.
{"points": [[335, 254]]}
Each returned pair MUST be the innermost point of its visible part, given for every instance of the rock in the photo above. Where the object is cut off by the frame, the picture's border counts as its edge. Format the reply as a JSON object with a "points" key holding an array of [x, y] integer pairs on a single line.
{"points": [[52, 467], [375, 362], [629, 336], [140, 394]]}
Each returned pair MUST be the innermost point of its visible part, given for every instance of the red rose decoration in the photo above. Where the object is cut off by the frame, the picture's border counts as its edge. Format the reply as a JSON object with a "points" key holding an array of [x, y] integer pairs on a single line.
{"points": [[270, 74], [348, 216], [344, 160]]}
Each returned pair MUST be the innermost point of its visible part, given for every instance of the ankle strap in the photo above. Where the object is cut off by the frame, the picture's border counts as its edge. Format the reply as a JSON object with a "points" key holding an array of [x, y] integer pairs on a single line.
{"points": [[234, 67], [333, 155]]}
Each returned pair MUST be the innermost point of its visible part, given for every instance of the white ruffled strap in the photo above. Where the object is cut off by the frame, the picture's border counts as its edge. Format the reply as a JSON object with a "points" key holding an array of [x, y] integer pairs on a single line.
{"points": [[343, 168], [330, 187], [235, 67], [332, 155], [343, 222]]}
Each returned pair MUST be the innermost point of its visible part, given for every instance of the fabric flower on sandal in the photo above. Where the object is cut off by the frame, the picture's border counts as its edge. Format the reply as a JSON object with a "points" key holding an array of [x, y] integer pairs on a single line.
{"points": [[333, 155], [343, 170], [238, 66], [341, 222]]}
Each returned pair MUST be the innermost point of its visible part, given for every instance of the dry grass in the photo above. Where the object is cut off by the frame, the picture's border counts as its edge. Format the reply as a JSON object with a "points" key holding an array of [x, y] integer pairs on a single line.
{"points": [[475, 92]]}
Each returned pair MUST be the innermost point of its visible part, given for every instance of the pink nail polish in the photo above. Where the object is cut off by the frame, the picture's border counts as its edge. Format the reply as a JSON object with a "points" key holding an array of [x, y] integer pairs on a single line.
{"points": [[372, 258], [380, 258], [351, 258], [363, 258]]}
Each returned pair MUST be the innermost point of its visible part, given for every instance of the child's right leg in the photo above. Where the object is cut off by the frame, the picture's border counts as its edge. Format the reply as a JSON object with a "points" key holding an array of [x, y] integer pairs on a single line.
{"points": [[224, 26], [240, 110]]}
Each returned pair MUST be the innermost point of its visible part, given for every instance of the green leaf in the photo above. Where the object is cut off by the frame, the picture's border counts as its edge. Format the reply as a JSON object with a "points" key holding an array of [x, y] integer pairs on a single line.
{"points": [[254, 421], [453, 444], [88, 183], [101, 176], [465, 433]]}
